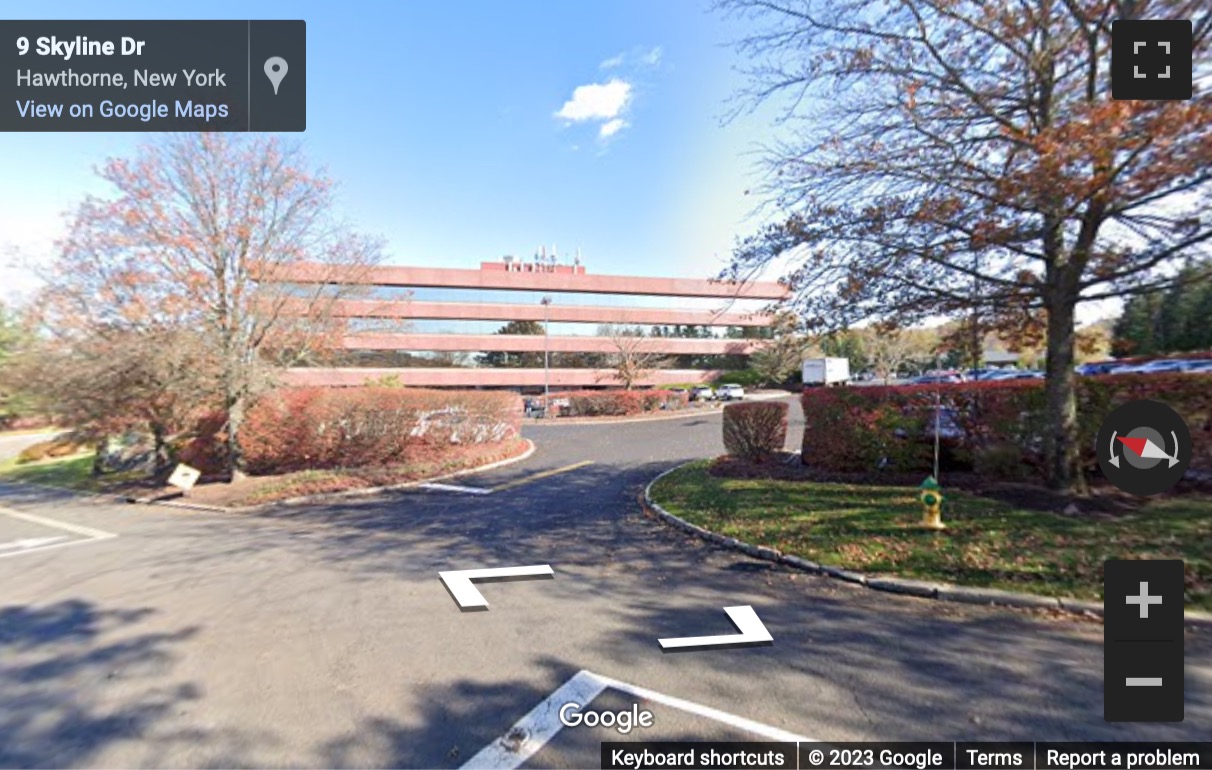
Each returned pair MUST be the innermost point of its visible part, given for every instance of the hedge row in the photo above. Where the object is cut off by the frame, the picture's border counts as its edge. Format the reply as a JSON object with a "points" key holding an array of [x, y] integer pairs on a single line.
{"points": [[596, 403], [317, 428], [996, 428]]}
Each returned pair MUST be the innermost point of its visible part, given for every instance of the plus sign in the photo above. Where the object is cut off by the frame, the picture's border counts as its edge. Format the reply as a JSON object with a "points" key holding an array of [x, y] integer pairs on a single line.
{"points": [[1144, 600]]}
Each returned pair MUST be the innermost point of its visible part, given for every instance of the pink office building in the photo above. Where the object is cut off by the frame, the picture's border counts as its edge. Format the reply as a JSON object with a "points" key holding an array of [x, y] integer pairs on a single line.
{"points": [[521, 324]]}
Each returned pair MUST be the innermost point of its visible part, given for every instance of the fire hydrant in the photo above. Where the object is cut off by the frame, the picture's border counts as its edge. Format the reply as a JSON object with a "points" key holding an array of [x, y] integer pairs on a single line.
{"points": [[932, 504]]}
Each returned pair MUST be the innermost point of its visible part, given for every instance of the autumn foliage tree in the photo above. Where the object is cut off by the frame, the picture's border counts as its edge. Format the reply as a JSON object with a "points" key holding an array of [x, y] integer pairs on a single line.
{"points": [[198, 233], [945, 154]]}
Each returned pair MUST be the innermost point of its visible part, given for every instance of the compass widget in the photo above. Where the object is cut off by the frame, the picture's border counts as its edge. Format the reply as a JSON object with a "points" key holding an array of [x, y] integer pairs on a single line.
{"points": [[1144, 447]]}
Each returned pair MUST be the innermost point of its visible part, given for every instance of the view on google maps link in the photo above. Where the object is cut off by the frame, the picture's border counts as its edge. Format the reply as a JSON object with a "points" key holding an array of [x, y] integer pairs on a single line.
{"points": [[817, 384]]}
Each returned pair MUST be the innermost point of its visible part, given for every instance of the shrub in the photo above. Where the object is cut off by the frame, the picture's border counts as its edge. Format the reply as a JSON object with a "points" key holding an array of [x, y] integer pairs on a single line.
{"points": [[755, 430], [870, 428], [306, 428], [61, 446], [599, 403], [205, 447]]}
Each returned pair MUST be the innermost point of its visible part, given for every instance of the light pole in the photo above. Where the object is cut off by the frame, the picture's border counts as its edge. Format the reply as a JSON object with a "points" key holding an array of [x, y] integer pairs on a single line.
{"points": [[546, 303]]}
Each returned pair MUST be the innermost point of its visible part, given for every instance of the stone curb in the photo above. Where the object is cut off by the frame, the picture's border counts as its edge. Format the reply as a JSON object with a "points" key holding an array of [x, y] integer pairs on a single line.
{"points": [[926, 589], [327, 496]]}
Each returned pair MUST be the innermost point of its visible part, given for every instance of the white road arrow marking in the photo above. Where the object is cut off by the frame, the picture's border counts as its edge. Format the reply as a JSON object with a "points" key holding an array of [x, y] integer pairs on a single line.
{"points": [[458, 582], [31, 542], [752, 632]]}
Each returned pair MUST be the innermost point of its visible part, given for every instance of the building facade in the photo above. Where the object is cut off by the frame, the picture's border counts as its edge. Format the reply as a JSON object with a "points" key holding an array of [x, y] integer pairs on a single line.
{"points": [[523, 325]]}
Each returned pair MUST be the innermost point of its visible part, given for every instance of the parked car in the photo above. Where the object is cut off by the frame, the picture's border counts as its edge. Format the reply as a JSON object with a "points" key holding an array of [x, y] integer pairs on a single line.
{"points": [[533, 407], [937, 378], [730, 393], [702, 393], [1017, 374], [1200, 366], [1101, 367], [1158, 366]]}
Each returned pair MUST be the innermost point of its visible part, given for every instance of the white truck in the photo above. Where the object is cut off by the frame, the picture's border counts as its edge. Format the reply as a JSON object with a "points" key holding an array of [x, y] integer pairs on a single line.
{"points": [[826, 371]]}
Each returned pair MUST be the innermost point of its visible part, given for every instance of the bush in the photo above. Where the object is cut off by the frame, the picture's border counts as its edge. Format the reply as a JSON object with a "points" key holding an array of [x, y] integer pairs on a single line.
{"points": [[304, 428], [599, 403], [205, 448], [870, 428], [756, 430], [62, 446]]}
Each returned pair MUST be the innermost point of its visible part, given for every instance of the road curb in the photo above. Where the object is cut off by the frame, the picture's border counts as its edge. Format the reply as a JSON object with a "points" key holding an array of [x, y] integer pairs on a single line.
{"points": [[925, 589], [332, 496]]}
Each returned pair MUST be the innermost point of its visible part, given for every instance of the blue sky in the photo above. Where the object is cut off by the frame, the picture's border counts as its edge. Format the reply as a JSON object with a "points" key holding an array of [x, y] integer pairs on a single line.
{"points": [[464, 131]]}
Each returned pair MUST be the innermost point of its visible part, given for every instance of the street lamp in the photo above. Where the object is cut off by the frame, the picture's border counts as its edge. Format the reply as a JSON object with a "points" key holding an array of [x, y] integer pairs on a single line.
{"points": [[546, 303]]}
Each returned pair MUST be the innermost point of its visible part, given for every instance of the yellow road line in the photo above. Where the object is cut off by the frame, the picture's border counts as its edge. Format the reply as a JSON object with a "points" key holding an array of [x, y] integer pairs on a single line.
{"points": [[541, 475]]}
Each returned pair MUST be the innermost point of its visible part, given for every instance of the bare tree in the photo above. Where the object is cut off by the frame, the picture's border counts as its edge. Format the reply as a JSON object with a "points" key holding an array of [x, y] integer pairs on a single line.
{"points": [[778, 358], [632, 357], [215, 230], [944, 154], [889, 349]]}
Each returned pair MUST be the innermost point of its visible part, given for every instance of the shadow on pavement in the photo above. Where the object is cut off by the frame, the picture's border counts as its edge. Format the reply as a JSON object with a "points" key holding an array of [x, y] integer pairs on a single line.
{"points": [[76, 677]]}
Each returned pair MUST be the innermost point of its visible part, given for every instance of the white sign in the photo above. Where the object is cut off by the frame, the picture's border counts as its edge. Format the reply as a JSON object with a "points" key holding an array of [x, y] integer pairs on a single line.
{"points": [[184, 477]]}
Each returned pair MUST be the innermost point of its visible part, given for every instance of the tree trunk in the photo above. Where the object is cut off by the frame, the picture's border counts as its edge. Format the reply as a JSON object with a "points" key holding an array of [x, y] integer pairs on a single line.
{"points": [[160, 458], [99, 457], [1060, 441], [235, 455]]}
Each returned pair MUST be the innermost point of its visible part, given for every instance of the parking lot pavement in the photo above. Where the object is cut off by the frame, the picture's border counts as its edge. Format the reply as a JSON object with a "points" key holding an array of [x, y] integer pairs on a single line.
{"points": [[24, 533], [321, 636]]}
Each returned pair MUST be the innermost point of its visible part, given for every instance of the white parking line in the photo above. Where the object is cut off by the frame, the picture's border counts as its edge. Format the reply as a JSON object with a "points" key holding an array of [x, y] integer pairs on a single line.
{"points": [[89, 534], [533, 731]]}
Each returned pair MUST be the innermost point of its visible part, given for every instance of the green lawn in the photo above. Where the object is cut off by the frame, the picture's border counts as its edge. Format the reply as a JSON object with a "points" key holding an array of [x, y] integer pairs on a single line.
{"points": [[73, 472], [986, 543]]}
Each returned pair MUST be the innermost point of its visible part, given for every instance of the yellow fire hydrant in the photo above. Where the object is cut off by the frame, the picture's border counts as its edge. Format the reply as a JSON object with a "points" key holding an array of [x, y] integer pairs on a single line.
{"points": [[932, 504]]}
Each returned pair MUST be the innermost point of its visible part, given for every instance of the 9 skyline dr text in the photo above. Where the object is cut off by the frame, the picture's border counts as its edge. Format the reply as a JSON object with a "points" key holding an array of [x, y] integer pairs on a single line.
{"points": [[81, 45]]}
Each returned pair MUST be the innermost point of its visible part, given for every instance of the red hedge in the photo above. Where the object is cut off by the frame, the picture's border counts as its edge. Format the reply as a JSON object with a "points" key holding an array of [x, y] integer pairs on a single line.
{"points": [[867, 428], [310, 428], [756, 430], [596, 403]]}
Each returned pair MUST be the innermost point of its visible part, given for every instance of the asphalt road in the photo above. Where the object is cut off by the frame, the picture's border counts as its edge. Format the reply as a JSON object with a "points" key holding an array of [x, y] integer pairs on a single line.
{"points": [[322, 637], [11, 446]]}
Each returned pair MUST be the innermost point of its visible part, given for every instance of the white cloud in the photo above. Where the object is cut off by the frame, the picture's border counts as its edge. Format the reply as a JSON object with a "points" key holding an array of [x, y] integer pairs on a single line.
{"points": [[612, 127], [597, 101], [637, 57]]}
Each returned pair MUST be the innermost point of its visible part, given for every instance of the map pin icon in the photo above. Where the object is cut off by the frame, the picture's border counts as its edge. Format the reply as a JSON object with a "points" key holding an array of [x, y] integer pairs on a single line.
{"points": [[275, 70]]}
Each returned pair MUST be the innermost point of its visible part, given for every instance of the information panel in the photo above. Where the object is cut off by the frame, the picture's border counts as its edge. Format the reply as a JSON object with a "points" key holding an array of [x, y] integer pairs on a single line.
{"points": [[153, 75]]}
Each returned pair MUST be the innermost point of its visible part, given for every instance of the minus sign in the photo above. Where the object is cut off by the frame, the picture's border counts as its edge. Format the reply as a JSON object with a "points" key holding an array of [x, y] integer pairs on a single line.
{"points": [[1143, 681]]}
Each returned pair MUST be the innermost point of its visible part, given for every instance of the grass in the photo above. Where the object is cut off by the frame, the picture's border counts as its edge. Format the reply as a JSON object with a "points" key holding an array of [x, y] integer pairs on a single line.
{"points": [[987, 542], [71, 472]]}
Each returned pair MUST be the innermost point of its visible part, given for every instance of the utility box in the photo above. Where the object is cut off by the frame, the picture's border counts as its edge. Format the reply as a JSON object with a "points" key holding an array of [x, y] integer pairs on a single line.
{"points": [[826, 371]]}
